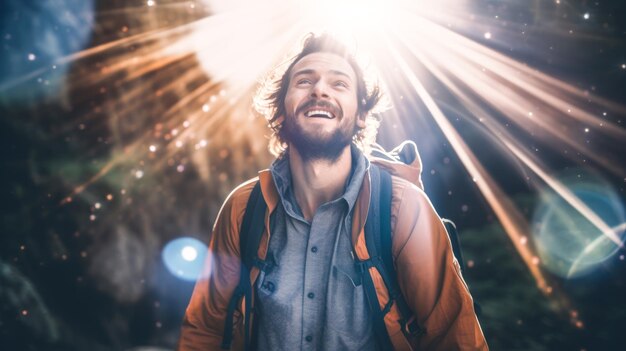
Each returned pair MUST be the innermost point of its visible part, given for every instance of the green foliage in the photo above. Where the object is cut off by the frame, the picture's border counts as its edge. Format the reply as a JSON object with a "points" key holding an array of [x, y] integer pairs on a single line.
{"points": [[515, 314]]}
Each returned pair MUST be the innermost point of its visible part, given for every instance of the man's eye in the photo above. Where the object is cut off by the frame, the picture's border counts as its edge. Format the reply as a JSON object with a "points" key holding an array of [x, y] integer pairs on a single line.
{"points": [[304, 81], [341, 84]]}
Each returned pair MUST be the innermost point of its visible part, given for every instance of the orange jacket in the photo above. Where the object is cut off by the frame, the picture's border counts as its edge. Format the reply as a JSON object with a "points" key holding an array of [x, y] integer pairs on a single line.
{"points": [[428, 273]]}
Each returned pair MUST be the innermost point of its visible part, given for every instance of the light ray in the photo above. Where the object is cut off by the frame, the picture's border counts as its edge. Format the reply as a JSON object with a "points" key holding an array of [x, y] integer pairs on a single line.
{"points": [[512, 221], [162, 48], [512, 98], [592, 246], [507, 140]]}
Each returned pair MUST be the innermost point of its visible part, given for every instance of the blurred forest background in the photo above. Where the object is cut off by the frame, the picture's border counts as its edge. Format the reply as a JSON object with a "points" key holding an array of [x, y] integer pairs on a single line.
{"points": [[116, 142]]}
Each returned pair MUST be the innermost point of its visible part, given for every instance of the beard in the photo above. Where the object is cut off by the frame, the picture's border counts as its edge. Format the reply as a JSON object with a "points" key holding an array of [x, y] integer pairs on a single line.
{"points": [[317, 145]]}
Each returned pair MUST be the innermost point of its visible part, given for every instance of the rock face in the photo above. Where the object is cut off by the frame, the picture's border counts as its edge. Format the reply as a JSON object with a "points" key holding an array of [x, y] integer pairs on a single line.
{"points": [[23, 312], [120, 264], [38, 35]]}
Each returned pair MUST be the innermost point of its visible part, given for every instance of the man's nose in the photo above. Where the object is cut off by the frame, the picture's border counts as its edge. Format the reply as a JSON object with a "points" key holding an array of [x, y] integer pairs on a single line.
{"points": [[319, 90]]}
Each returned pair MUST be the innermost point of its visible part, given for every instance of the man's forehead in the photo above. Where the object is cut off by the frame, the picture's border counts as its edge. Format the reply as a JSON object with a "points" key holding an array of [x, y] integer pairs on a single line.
{"points": [[323, 62]]}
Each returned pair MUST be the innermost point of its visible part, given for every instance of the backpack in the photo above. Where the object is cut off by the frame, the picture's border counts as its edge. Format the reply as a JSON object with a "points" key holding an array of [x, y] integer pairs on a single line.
{"points": [[378, 242]]}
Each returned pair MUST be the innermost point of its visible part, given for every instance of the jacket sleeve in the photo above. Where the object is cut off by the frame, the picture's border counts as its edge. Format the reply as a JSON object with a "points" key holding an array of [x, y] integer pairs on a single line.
{"points": [[429, 275], [203, 323]]}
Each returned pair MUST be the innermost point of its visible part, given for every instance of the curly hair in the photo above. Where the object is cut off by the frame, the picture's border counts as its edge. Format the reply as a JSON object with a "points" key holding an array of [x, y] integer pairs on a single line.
{"points": [[270, 98]]}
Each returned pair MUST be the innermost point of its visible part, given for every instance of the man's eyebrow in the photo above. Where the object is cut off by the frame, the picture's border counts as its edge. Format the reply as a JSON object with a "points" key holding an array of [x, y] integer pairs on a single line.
{"points": [[311, 71], [341, 73], [303, 72]]}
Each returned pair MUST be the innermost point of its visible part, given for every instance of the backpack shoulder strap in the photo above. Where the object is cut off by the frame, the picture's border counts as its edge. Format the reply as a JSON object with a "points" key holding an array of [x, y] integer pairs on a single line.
{"points": [[379, 241], [249, 239], [378, 223], [458, 253], [374, 246], [385, 223], [454, 240], [252, 226]]}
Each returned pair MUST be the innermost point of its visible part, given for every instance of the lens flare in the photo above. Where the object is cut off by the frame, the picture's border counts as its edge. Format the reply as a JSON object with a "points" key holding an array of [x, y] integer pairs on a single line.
{"points": [[569, 244], [189, 253], [184, 257]]}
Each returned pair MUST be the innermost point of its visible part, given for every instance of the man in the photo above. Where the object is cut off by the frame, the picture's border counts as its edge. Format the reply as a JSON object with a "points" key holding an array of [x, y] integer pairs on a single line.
{"points": [[309, 295]]}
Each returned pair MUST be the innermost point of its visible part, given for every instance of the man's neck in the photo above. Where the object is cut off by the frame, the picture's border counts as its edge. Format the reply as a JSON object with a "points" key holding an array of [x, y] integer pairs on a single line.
{"points": [[316, 182]]}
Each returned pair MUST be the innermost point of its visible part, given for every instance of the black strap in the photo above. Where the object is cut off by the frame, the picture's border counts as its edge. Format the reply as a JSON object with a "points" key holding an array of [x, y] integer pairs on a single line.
{"points": [[373, 223], [249, 240], [378, 242], [385, 221], [252, 226], [458, 253], [408, 321], [227, 337], [372, 240], [454, 240]]}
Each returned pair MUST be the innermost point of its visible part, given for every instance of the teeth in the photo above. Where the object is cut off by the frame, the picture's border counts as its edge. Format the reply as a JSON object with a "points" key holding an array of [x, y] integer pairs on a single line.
{"points": [[319, 112]]}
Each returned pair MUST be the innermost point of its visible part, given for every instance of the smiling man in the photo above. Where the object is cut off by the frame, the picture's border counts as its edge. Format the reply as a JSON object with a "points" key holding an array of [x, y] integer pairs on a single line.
{"points": [[309, 290], [318, 127]]}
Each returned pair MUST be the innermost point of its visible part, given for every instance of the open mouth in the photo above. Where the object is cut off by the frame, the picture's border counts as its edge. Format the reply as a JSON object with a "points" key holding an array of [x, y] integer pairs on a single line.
{"points": [[319, 109], [319, 114]]}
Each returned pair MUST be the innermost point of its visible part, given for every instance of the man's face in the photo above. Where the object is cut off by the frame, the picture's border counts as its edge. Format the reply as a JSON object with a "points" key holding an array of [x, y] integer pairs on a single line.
{"points": [[321, 106]]}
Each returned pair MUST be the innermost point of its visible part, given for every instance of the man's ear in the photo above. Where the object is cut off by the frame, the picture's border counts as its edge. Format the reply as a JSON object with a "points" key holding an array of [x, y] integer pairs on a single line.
{"points": [[279, 120], [360, 120]]}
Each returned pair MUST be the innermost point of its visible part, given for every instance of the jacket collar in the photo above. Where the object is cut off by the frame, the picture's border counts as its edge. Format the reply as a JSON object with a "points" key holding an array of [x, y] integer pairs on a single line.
{"points": [[268, 189], [411, 171], [361, 206], [281, 174]]}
